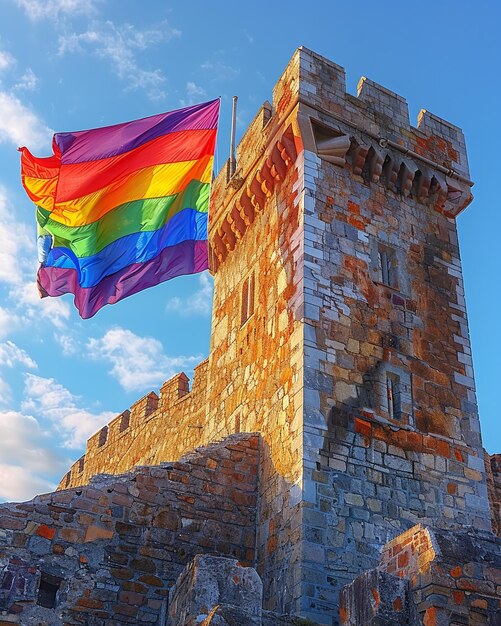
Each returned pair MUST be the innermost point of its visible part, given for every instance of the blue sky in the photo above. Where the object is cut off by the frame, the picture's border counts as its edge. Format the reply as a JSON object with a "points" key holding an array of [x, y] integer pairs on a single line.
{"points": [[72, 64]]}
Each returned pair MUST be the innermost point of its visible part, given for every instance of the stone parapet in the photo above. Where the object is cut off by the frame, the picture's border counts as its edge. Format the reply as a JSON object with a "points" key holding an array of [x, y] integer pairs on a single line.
{"points": [[132, 438], [376, 110]]}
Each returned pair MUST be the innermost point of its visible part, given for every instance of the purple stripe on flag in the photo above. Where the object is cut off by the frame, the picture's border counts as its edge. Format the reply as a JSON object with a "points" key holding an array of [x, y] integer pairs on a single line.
{"points": [[101, 143], [187, 257]]}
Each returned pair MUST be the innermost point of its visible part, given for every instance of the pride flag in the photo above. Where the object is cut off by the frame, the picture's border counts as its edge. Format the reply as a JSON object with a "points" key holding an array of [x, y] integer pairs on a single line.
{"points": [[124, 207]]}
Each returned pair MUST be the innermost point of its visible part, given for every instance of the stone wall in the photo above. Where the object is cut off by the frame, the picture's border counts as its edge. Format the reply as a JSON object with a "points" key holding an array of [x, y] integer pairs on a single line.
{"points": [[157, 428], [375, 463], [256, 365], [451, 578], [108, 552]]}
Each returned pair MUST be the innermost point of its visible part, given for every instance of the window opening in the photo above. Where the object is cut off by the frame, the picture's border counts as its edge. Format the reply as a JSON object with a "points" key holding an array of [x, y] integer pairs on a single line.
{"points": [[247, 299], [47, 591], [393, 396], [387, 265], [384, 266]]}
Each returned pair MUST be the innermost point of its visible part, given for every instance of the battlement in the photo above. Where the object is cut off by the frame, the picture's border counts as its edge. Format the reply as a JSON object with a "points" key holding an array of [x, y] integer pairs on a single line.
{"points": [[371, 133], [119, 439], [376, 110]]}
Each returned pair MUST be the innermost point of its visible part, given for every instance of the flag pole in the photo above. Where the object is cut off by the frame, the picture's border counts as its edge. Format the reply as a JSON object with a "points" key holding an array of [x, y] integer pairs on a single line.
{"points": [[233, 161]]}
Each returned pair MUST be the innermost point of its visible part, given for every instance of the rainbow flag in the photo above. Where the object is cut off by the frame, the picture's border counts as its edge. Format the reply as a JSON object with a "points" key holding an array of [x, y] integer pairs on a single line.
{"points": [[123, 208]]}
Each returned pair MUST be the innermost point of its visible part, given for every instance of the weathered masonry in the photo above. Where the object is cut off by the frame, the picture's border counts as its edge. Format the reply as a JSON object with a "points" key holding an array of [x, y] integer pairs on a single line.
{"points": [[340, 335]]}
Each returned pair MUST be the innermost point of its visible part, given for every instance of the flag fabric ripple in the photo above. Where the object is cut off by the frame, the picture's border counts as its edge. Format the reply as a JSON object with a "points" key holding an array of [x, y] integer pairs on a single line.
{"points": [[125, 207]]}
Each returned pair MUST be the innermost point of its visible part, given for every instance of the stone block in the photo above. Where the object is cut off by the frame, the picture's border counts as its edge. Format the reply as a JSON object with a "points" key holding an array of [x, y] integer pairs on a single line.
{"points": [[214, 586], [373, 598]]}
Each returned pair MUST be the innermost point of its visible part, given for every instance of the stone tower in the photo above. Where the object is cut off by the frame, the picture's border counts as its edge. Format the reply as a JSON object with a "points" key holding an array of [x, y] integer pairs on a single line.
{"points": [[356, 364], [339, 334]]}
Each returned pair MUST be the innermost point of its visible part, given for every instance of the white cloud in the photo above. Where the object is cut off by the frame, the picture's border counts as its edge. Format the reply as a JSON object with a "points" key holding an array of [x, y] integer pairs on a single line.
{"points": [[20, 125], [23, 441], [199, 303], [18, 266], [192, 89], [6, 60], [18, 242], [28, 81], [54, 310], [194, 93], [119, 44], [137, 363], [20, 432], [11, 355], [18, 484], [47, 398], [5, 392], [9, 321], [69, 344], [53, 9], [220, 71]]}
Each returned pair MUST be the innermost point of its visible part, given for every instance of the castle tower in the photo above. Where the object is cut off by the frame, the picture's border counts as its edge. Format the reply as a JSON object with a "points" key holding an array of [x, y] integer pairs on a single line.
{"points": [[339, 333], [340, 330]]}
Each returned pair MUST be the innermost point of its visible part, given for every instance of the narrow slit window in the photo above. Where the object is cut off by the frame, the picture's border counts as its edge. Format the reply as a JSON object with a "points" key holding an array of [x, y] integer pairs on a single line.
{"points": [[247, 308], [393, 398], [387, 266]]}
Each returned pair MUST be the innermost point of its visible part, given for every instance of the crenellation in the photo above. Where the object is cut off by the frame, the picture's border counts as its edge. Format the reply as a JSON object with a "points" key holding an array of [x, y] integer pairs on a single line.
{"points": [[382, 101], [173, 390], [93, 443], [247, 149], [115, 426], [144, 407]]}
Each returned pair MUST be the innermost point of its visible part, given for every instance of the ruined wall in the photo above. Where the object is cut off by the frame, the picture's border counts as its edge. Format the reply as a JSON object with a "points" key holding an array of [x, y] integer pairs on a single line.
{"points": [[115, 547], [373, 469], [450, 578]]}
